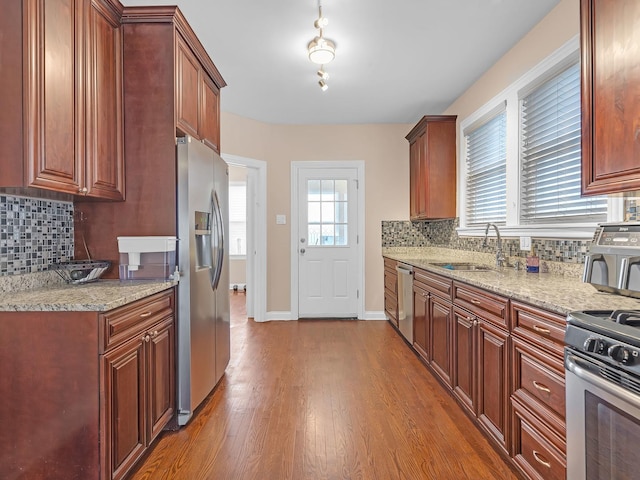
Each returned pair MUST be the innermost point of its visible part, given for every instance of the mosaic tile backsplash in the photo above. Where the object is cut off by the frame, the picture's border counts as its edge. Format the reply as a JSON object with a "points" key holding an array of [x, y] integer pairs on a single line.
{"points": [[34, 233], [443, 233]]}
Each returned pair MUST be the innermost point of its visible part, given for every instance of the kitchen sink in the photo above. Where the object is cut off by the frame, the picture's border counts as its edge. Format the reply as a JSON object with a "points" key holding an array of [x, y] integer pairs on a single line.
{"points": [[464, 266]]}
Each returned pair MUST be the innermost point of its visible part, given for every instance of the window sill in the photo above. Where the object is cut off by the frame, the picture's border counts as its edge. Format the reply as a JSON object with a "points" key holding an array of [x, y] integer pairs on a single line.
{"points": [[563, 232]]}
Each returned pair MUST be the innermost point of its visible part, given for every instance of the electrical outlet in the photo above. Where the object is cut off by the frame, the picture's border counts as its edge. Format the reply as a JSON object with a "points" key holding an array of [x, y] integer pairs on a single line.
{"points": [[281, 219], [525, 243]]}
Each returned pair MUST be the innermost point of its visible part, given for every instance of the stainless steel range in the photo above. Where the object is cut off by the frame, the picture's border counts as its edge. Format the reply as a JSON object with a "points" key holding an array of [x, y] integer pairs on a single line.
{"points": [[602, 366]]}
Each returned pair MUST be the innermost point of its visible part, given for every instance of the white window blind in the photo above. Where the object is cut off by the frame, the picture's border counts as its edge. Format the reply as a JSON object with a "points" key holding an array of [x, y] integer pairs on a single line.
{"points": [[238, 219], [551, 154], [486, 172]]}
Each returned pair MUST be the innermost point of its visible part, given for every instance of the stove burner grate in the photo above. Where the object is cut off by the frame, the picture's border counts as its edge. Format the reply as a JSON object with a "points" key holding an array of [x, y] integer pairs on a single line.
{"points": [[626, 317]]}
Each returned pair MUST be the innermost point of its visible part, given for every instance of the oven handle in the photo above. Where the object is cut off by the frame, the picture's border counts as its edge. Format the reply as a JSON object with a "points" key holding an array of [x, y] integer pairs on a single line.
{"points": [[585, 370]]}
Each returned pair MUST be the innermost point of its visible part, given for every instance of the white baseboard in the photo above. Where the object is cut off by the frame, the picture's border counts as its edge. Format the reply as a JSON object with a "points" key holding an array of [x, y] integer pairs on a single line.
{"points": [[287, 316], [278, 316], [375, 316]]}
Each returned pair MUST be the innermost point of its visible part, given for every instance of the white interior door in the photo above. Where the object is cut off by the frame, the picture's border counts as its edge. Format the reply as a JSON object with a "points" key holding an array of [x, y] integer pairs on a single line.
{"points": [[328, 242]]}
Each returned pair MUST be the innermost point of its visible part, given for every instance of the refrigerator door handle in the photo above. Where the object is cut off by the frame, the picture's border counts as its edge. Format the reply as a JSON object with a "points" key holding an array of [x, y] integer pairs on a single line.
{"points": [[218, 245]]}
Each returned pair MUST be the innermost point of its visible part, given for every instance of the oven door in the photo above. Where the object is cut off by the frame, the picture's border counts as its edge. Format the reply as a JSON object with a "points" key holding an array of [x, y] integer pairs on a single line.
{"points": [[603, 420]]}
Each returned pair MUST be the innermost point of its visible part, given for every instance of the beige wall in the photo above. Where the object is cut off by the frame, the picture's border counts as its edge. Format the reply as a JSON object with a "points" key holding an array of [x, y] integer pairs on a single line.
{"points": [[557, 28], [382, 147], [385, 152]]}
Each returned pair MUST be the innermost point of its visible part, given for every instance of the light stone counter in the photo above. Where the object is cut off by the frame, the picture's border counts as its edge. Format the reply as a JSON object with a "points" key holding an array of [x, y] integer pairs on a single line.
{"points": [[552, 291], [97, 296]]}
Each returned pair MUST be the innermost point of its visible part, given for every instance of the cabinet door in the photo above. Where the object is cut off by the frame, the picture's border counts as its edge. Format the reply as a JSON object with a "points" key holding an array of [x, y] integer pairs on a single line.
{"points": [[414, 173], [210, 113], [124, 407], [610, 92], [53, 96], [104, 145], [440, 339], [464, 358], [161, 384], [187, 89], [493, 381], [420, 320]]}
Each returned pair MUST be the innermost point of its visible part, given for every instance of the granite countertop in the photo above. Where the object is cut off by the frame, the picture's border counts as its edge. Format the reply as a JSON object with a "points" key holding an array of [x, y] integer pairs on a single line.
{"points": [[552, 291], [97, 296]]}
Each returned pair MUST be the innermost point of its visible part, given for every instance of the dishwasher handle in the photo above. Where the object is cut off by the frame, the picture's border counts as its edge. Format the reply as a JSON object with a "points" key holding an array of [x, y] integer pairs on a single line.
{"points": [[404, 269]]}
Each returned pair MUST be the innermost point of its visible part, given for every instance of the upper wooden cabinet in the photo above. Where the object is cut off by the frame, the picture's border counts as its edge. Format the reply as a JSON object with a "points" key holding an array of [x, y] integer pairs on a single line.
{"points": [[610, 89], [197, 98], [195, 80], [432, 167], [70, 84]]}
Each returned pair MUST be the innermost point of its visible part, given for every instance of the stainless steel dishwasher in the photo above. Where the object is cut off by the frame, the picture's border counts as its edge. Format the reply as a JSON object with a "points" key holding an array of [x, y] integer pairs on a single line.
{"points": [[405, 301]]}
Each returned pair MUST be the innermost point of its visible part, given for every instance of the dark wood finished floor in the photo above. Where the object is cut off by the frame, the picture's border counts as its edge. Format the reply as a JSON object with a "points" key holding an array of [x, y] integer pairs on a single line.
{"points": [[324, 399]]}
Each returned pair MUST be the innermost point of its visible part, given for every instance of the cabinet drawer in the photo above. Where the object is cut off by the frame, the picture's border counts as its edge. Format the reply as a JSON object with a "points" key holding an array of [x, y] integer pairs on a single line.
{"points": [[539, 383], [391, 306], [120, 324], [538, 326], [535, 449], [390, 264], [490, 307], [391, 282], [432, 282]]}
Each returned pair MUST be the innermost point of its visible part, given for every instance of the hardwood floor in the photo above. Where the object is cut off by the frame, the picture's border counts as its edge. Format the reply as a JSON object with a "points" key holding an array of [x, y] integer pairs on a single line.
{"points": [[324, 399]]}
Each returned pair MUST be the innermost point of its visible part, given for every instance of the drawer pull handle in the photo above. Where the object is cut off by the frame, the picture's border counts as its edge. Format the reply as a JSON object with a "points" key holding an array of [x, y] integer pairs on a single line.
{"points": [[476, 302], [541, 329], [541, 387], [540, 459], [145, 314]]}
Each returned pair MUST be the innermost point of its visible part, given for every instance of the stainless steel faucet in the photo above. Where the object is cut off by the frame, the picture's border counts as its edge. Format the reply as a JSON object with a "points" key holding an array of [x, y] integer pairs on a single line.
{"points": [[499, 256]]}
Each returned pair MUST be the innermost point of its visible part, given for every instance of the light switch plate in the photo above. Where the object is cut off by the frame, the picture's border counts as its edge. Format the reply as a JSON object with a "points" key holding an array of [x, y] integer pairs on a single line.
{"points": [[281, 219], [525, 243]]}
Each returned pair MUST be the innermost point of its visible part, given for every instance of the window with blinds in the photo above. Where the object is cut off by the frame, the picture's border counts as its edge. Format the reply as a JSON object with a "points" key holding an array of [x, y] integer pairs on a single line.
{"points": [[551, 154], [486, 191]]}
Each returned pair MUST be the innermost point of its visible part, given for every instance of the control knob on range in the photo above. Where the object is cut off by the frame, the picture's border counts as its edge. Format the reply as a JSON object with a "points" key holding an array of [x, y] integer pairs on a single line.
{"points": [[595, 345], [620, 354]]}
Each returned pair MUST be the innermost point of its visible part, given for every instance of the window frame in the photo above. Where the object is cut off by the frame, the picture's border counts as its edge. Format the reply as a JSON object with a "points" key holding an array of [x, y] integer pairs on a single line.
{"points": [[511, 96]]}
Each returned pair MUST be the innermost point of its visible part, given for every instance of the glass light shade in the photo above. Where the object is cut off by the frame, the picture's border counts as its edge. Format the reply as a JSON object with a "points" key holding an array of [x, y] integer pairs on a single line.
{"points": [[321, 50]]}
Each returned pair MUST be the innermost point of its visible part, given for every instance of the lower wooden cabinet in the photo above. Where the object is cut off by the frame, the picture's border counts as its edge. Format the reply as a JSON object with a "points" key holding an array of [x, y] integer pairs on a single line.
{"points": [[440, 325], [538, 450], [493, 362], [503, 361], [138, 381], [391, 290], [89, 395]]}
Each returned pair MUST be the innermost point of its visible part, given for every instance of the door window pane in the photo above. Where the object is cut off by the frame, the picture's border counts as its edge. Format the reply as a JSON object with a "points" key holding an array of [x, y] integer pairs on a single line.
{"points": [[327, 212]]}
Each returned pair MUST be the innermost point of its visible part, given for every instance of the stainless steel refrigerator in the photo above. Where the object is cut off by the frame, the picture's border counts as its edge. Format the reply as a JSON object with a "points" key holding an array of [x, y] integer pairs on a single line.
{"points": [[203, 260]]}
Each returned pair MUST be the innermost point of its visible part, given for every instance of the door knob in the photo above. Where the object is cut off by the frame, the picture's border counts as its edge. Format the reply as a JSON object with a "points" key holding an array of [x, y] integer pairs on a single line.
{"points": [[302, 250]]}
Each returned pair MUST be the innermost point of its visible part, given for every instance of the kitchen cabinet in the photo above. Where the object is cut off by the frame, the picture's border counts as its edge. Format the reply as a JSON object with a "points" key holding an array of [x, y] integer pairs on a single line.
{"points": [[391, 291], [166, 71], [432, 168], [70, 117], [138, 372], [433, 321], [610, 88], [197, 98], [87, 391], [538, 398], [481, 363]]}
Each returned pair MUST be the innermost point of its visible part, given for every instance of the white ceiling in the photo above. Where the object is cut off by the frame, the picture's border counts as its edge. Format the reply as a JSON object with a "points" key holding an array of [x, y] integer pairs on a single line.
{"points": [[395, 60]]}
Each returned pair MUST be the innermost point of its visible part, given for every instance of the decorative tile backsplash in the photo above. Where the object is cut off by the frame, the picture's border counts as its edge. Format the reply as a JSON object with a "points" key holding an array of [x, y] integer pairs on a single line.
{"points": [[443, 233], [34, 233]]}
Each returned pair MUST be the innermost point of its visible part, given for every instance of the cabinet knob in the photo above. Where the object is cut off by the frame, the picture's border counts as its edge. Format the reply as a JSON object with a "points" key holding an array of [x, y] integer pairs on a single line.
{"points": [[83, 190], [147, 338]]}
